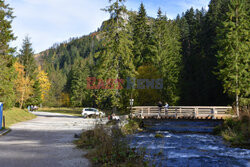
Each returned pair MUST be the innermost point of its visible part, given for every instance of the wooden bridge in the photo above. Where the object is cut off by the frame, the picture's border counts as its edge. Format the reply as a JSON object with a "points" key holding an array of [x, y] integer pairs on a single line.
{"points": [[182, 112]]}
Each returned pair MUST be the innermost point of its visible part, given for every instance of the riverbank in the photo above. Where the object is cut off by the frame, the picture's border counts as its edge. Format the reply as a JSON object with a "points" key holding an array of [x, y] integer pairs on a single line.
{"points": [[107, 147], [132, 126], [236, 131], [163, 143]]}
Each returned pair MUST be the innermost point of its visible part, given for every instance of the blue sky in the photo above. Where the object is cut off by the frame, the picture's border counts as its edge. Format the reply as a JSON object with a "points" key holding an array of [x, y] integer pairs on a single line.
{"points": [[53, 21]]}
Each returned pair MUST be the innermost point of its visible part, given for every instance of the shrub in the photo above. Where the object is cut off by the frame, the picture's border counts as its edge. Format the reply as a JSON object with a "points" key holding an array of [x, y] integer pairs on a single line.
{"points": [[132, 126], [236, 131], [109, 148], [111, 122]]}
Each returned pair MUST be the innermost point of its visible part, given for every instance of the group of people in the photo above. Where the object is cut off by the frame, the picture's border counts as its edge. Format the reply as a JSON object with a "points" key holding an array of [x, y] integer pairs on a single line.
{"points": [[160, 105], [113, 117], [32, 108]]}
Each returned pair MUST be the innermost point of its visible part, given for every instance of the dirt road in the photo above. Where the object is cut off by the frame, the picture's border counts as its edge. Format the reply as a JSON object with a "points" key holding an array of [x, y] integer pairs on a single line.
{"points": [[44, 142]]}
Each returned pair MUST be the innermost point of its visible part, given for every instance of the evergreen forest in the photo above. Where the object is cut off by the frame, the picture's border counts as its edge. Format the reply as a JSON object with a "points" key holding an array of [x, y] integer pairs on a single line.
{"points": [[201, 57]]}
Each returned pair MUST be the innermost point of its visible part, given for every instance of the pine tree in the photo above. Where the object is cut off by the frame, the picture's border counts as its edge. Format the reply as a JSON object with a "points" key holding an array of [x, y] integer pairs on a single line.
{"points": [[141, 37], [78, 83], [166, 55], [233, 57], [212, 90], [189, 30], [116, 58], [7, 70], [58, 81], [26, 58], [36, 96], [199, 85]]}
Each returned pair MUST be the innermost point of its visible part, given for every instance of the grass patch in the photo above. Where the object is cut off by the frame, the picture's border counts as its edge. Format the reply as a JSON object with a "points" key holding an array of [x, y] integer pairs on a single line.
{"points": [[63, 110], [15, 115], [158, 135], [108, 148], [132, 126], [236, 131]]}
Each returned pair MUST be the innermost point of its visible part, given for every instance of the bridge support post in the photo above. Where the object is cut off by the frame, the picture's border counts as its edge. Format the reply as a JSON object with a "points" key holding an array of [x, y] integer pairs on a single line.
{"points": [[148, 111], [142, 113], [214, 112], [195, 112]]}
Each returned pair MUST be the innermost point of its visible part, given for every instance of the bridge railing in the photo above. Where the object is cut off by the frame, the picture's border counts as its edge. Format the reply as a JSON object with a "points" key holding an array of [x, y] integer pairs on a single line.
{"points": [[182, 111]]}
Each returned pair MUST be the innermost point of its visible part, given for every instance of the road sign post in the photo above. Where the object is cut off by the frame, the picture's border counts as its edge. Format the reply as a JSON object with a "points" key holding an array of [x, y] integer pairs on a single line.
{"points": [[1, 115]]}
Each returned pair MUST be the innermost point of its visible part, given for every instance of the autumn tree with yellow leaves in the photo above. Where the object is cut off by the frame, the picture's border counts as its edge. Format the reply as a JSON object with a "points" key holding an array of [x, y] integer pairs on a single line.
{"points": [[45, 84], [23, 85]]}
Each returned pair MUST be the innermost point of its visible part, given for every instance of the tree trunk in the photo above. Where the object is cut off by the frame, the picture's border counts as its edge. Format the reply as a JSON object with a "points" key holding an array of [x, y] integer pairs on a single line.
{"points": [[237, 105], [237, 69], [21, 104]]}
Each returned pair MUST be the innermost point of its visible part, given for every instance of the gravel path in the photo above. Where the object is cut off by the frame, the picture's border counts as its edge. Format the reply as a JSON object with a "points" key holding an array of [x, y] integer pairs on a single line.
{"points": [[45, 141]]}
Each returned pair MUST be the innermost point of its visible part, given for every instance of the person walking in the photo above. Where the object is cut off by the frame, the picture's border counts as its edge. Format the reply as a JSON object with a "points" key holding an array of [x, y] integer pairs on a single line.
{"points": [[160, 106], [166, 108]]}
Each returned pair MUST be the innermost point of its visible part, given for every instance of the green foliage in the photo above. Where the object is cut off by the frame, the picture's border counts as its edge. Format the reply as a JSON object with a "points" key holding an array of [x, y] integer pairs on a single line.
{"points": [[78, 83], [115, 60], [233, 56], [131, 127], [109, 148], [182, 52], [7, 70], [142, 95], [58, 81], [15, 115], [236, 131], [35, 98], [26, 58], [59, 61], [165, 49], [199, 85], [112, 122], [141, 33]]}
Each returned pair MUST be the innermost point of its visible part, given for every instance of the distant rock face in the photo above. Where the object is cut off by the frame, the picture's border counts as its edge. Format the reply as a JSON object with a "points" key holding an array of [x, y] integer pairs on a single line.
{"points": [[39, 58]]}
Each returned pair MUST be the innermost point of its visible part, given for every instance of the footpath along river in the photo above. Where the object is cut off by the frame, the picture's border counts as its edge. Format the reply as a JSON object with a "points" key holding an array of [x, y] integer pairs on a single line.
{"points": [[188, 144]]}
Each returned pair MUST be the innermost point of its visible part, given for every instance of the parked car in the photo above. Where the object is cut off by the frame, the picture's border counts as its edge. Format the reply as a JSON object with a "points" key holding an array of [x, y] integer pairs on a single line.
{"points": [[89, 112]]}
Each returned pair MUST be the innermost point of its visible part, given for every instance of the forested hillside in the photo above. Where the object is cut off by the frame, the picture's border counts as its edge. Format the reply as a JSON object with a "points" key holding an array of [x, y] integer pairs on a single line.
{"points": [[59, 62], [183, 52], [199, 58]]}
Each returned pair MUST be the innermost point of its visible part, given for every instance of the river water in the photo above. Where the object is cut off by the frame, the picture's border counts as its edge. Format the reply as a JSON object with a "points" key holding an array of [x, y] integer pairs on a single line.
{"points": [[188, 143]]}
